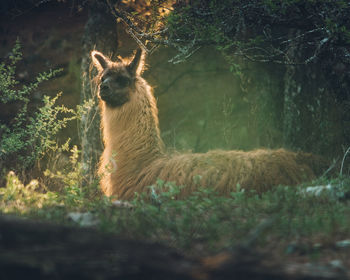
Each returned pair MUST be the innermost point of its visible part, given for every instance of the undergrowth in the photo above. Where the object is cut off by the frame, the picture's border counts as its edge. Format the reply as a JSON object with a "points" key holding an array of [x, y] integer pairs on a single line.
{"points": [[28, 135], [203, 221]]}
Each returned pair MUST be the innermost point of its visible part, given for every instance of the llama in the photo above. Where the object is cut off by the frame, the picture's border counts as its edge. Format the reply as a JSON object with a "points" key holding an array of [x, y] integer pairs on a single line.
{"points": [[134, 156]]}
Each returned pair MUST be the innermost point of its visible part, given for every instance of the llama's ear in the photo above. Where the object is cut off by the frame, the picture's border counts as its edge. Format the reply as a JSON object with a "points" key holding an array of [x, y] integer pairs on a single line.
{"points": [[100, 61], [136, 65]]}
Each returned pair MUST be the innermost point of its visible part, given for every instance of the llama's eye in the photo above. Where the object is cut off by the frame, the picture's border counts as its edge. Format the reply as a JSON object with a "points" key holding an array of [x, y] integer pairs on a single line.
{"points": [[122, 81]]}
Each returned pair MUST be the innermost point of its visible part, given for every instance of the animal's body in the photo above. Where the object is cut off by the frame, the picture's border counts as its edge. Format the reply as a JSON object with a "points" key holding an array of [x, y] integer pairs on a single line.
{"points": [[134, 156]]}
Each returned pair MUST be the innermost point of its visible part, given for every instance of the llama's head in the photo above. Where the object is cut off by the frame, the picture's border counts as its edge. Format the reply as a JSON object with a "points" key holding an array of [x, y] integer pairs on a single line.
{"points": [[116, 80]]}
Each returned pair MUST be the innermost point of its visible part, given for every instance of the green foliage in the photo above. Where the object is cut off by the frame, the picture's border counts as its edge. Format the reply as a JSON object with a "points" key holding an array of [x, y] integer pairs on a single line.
{"points": [[8, 80], [207, 218], [71, 175], [75, 193], [18, 198], [28, 136], [261, 30], [204, 218], [35, 199]]}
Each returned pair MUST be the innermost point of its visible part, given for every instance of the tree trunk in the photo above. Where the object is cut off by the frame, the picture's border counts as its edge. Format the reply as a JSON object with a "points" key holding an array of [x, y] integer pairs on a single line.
{"points": [[100, 34], [37, 250], [312, 119]]}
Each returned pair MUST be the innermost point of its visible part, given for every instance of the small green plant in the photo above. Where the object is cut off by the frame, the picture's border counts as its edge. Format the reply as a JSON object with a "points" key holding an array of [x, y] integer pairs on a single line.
{"points": [[75, 193], [71, 175], [36, 199], [19, 198], [28, 136]]}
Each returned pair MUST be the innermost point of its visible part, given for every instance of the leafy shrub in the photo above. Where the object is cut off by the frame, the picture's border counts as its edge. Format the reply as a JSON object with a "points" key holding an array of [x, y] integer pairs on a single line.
{"points": [[27, 137], [18, 198], [37, 199]]}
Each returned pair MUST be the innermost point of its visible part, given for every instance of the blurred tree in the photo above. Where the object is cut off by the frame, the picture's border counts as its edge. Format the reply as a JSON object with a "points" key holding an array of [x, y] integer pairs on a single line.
{"points": [[100, 34]]}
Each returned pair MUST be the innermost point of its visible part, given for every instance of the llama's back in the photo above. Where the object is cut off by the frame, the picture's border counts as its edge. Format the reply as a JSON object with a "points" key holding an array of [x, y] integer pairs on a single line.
{"points": [[134, 159], [224, 170]]}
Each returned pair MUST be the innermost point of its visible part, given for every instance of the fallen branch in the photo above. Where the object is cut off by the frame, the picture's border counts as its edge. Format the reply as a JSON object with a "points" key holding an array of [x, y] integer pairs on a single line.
{"points": [[40, 250]]}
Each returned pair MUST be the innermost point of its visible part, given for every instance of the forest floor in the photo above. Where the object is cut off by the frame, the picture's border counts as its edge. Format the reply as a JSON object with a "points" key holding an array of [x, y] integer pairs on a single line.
{"points": [[288, 233]]}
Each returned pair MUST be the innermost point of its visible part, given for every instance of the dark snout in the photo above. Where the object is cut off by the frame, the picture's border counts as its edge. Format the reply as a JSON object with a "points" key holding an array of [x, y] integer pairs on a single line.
{"points": [[104, 92], [112, 98]]}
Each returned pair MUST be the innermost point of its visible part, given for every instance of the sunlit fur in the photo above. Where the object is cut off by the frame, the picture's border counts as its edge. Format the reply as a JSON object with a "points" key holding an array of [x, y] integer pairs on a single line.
{"points": [[134, 156]]}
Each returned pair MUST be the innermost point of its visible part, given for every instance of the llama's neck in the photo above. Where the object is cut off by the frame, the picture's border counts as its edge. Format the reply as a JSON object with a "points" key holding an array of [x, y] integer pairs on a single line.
{"points": [[131, 133]]}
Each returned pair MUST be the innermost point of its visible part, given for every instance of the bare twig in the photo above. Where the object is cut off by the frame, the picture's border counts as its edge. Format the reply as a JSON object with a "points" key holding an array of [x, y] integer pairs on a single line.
{"points": [[342, 163]]}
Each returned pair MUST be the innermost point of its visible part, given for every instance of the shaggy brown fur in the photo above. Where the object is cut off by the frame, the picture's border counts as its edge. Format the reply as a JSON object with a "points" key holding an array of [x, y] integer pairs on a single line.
{"points": [[134, 155]]}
